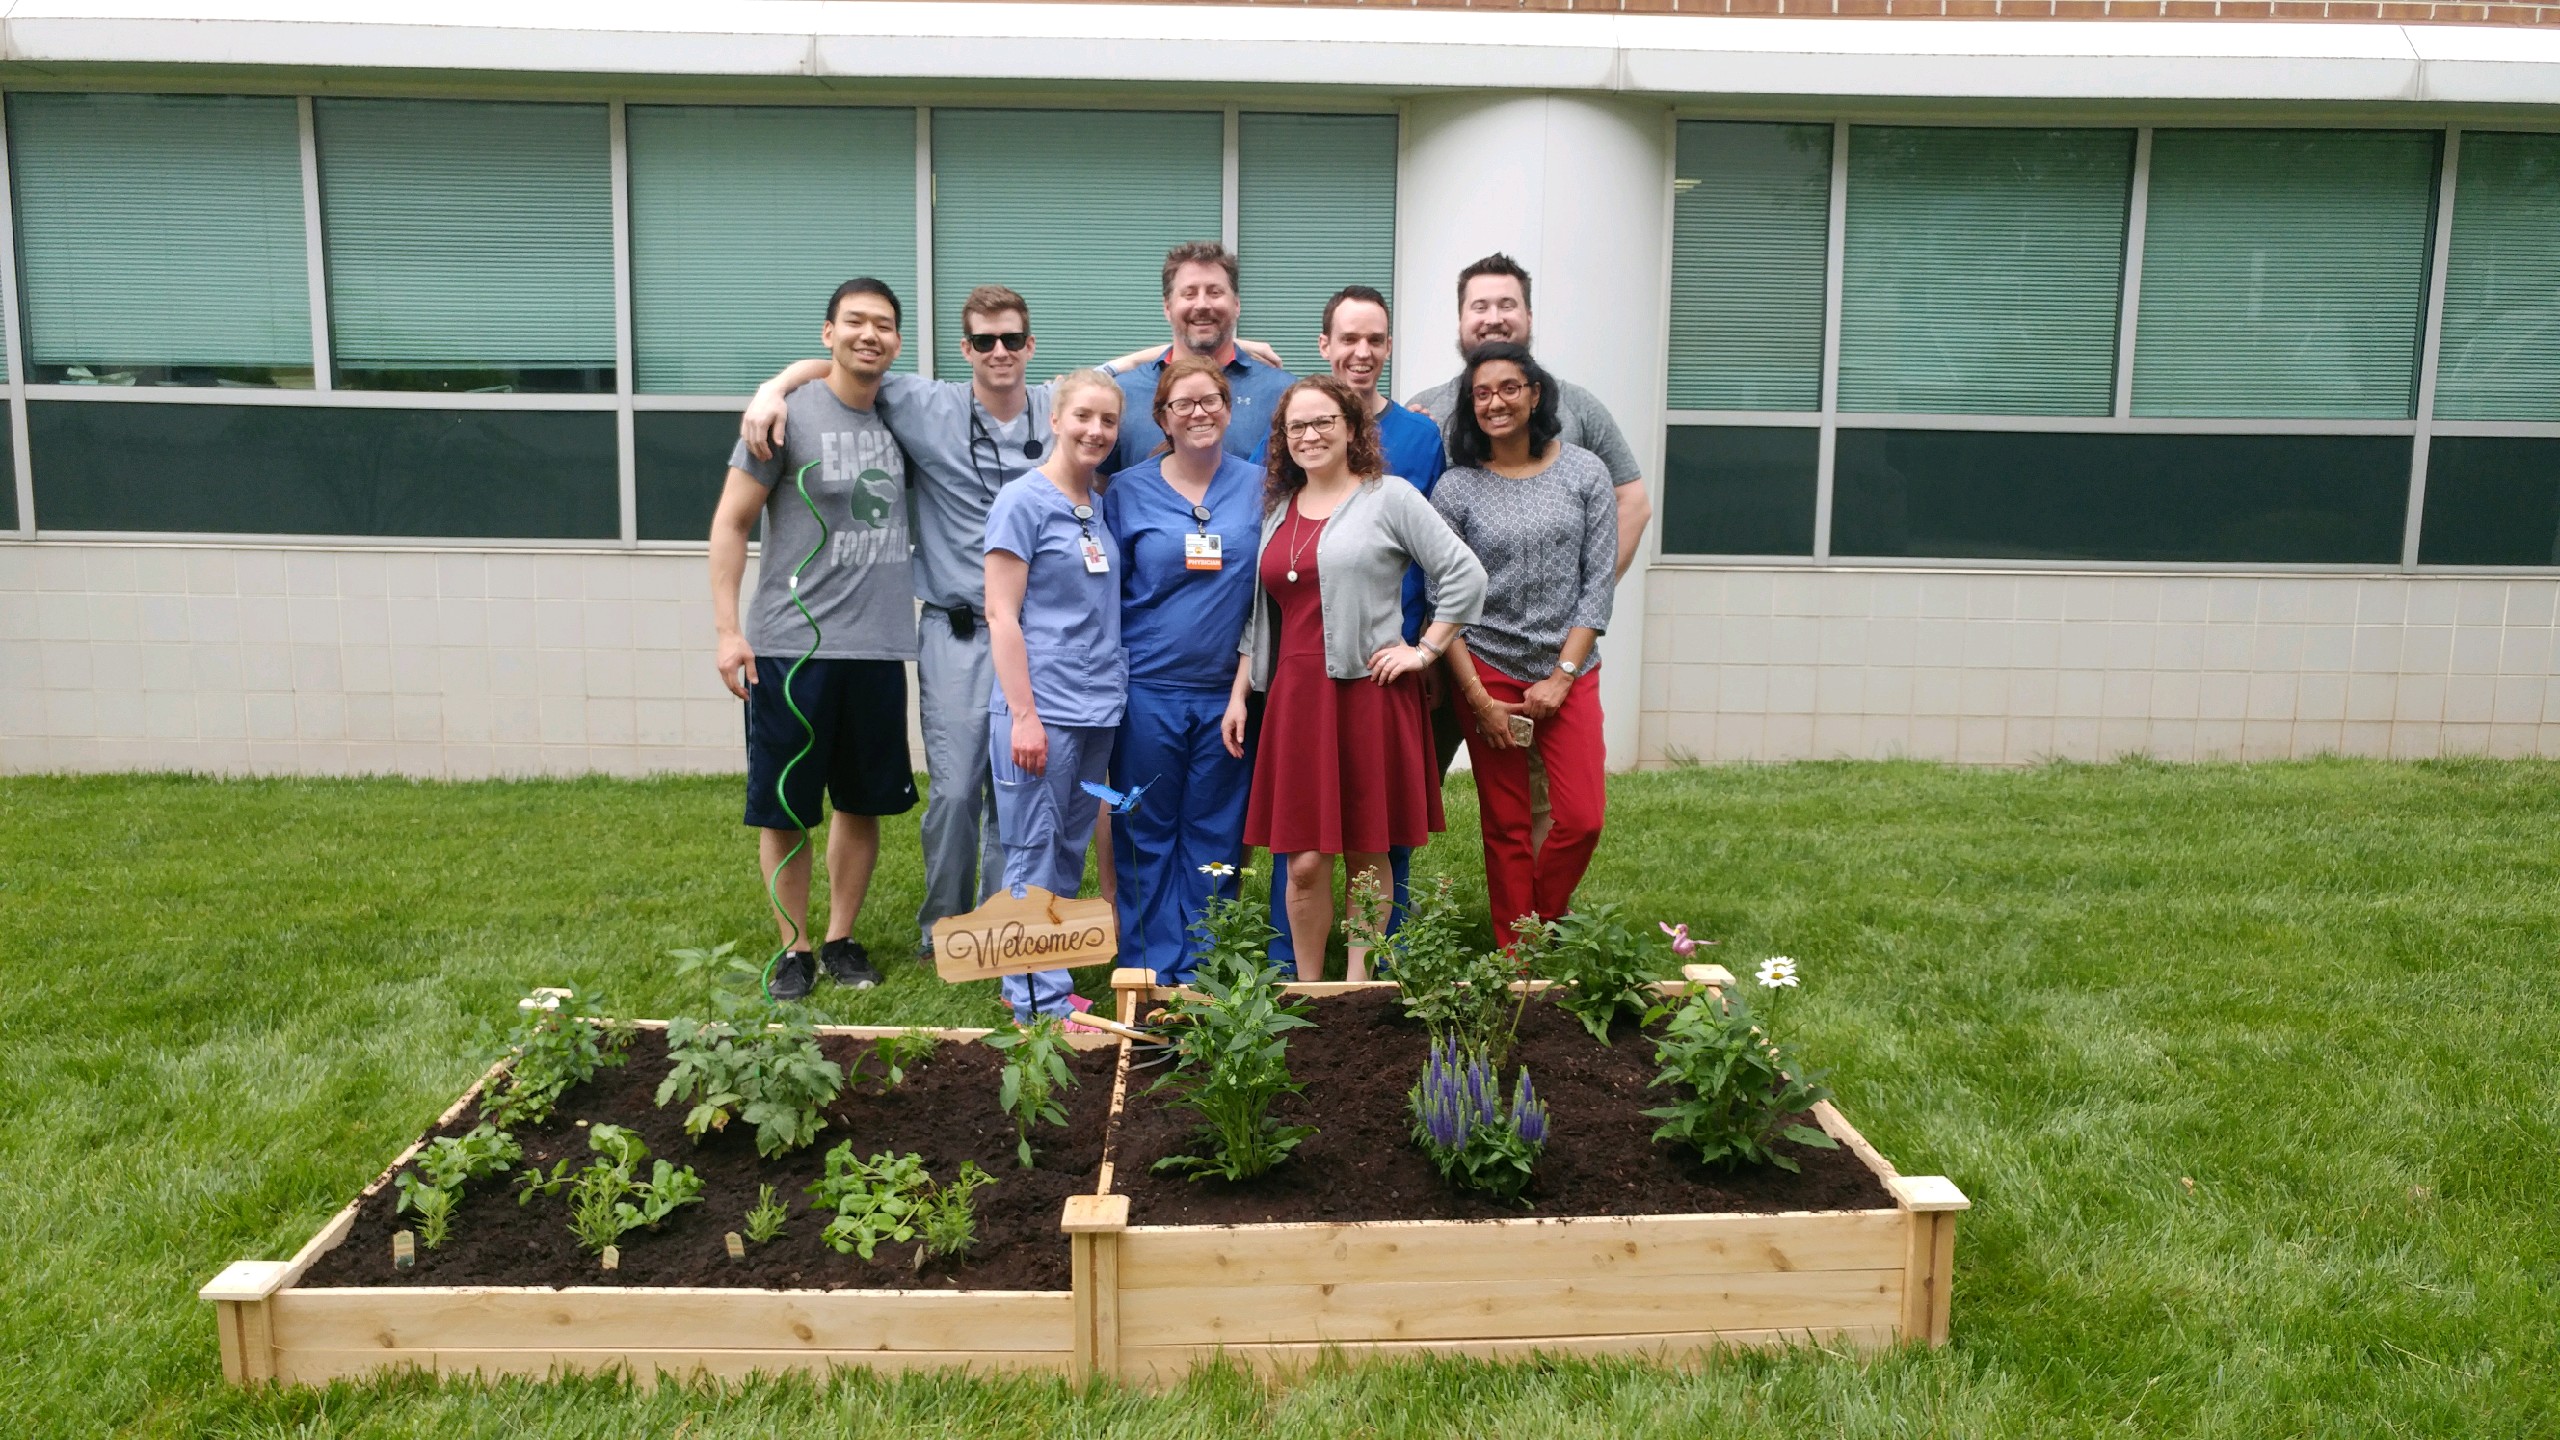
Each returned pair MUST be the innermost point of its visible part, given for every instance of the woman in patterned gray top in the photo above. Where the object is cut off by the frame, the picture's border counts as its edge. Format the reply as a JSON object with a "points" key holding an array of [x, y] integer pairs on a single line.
{"points": [[1542, 516]]}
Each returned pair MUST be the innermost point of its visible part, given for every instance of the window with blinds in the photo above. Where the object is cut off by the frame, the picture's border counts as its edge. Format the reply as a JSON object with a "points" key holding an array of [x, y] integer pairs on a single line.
{"points": [[1751, 217], [119, 196], [2500, 358], [734, 252], [470, 244], [1315, 211], [1985, 270], [2284, 273], [1084, 245]]}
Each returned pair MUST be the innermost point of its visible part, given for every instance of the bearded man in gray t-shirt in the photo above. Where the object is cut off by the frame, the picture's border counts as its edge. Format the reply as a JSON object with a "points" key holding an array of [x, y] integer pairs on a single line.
{"points": [[1493, 305], [832, 624]]}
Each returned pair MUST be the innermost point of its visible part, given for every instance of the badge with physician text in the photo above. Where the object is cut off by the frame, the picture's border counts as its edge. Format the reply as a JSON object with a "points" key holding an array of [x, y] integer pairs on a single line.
{"points": [[1203, 552]]}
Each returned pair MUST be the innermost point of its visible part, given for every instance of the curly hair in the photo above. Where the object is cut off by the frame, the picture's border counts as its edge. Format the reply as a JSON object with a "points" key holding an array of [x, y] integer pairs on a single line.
{"points": [[1180, 368], [1283, 478], [1468, 444]]}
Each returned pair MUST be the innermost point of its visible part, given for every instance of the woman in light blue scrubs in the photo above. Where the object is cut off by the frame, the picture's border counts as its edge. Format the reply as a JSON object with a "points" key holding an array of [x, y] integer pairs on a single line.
{"points": [[1053, 625], [1190, 520]]}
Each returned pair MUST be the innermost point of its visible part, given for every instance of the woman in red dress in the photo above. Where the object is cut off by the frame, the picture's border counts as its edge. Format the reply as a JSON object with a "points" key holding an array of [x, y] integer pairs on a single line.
{"points": [[1344, 765]]}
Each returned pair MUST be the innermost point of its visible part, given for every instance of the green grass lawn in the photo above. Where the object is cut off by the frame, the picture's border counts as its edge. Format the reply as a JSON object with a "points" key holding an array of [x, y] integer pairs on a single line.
{"points": [[2249, 1071]]}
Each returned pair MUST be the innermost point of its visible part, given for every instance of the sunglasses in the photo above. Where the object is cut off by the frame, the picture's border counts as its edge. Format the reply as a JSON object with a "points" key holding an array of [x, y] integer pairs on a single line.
{"points": [[985, 341]]}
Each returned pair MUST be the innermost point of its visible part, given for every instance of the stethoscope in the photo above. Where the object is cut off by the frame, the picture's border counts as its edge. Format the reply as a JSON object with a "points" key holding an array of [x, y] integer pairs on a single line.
{"points": [[1032, 449]]}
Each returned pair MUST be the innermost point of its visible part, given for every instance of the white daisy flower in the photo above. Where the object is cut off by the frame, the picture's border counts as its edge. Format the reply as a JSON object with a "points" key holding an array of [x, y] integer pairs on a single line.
{"points": [[1777, 972], [1218, 868]]}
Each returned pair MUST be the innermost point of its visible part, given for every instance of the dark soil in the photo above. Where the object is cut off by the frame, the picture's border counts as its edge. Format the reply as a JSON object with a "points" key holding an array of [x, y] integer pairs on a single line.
{"points": [[1359, 1063], [945, 1112]]}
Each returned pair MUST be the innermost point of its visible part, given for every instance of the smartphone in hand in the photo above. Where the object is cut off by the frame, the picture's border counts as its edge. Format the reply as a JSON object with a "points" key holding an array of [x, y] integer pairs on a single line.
{"points": [[1522, 727]]}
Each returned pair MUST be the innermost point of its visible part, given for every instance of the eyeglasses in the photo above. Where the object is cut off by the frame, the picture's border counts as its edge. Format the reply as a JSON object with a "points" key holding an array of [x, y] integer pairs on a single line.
{"points": [[1197, 405], [1321, 425], [984, 341], [1507, 390]]}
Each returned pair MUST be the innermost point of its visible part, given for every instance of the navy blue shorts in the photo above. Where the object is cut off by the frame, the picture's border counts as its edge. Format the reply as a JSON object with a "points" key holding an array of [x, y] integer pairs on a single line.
{"points": [[858, 757]]}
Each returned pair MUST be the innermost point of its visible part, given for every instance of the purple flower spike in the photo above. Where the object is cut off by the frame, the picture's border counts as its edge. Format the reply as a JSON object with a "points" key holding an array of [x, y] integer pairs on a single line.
{"points": [[1528, 1112]]}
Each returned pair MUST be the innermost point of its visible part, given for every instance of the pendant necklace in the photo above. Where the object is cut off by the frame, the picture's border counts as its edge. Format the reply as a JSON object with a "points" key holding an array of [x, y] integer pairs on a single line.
{"points": [[1297, 540]]}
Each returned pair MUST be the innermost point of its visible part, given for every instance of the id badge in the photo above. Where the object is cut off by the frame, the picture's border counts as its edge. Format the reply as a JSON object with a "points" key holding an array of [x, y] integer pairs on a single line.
{"points": [[1203, 552], [1095, 561]]}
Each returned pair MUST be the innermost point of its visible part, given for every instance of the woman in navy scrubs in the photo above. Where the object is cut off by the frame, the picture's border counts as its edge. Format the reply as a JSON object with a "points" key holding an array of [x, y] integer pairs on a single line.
{"points": [[1189, 521]]}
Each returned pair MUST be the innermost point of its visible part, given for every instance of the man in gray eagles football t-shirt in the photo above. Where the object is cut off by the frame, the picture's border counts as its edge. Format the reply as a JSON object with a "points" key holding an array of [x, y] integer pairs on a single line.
{"points": [[860, 588], [825, 691]]}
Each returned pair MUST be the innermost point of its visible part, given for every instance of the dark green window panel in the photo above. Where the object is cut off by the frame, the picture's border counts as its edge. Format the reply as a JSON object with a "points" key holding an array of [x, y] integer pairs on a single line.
{"points": [[8, 490], [1739, 490], [2491, 500], [680, 459], [310, 470], [2267, 499]]}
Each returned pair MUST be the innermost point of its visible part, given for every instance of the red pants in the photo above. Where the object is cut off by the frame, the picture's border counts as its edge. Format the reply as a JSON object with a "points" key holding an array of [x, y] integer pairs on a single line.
{"points": [[1575, 753]]}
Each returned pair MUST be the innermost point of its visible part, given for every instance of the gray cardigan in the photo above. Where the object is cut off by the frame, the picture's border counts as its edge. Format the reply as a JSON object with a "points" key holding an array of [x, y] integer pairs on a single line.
{"points": [[1360, 561]]}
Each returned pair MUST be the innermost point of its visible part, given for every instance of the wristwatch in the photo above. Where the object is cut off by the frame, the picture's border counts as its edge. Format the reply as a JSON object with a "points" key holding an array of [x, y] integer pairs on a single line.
{"points": [[1571, 670]]}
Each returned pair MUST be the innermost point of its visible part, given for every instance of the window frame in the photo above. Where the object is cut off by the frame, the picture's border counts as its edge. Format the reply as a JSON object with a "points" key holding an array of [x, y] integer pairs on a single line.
{"points": [[1830, 419], [623, 400]]}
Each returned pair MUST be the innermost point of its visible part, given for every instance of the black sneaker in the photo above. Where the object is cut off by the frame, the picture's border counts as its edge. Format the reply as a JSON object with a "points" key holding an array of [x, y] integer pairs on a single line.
{"points": [[793, 974], [849, 965]]}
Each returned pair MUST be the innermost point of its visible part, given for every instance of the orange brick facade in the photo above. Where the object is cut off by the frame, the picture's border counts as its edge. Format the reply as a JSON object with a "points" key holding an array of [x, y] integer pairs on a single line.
{"points": [[2385, 12]]}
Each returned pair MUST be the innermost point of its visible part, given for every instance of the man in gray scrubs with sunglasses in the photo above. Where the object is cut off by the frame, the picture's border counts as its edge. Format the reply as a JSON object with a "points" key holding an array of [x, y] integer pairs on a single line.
{"points": [[962, 443]]}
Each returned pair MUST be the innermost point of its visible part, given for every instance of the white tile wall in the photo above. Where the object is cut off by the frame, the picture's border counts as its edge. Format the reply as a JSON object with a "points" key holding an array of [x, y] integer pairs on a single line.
{"points": [[339, 661], [463, 664], [2010, 668]]}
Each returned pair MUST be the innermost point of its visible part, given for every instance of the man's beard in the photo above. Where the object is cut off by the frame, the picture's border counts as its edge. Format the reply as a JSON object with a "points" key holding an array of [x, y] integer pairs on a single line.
{"points": [[1224, 337]]}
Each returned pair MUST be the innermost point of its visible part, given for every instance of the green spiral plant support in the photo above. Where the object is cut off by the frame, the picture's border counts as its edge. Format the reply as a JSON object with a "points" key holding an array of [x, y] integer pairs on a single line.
{"points": [[808, 732]]}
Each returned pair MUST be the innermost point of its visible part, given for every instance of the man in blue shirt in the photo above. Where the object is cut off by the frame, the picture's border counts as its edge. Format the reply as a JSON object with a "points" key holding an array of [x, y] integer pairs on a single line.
{"points": [[1356, 342], [1201, 307]]}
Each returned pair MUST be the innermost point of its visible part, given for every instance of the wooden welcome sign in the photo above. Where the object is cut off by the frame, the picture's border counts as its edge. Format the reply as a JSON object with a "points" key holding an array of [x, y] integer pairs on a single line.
{"points": [[1007, 936]]}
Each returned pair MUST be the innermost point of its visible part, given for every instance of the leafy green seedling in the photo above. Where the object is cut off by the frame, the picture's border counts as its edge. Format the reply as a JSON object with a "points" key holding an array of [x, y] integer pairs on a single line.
{"points": [[432, 1205], [607, 1199], [434, 1188], [535, 1181], [761, 1063], [596, 1203], [950, 1218], [874, 1200], [1231, 1063], [1035, 1070], [1455, 990], [1736, 1084], [553, 1046], [1599, 966], [896, 1052], [764, 1223]]}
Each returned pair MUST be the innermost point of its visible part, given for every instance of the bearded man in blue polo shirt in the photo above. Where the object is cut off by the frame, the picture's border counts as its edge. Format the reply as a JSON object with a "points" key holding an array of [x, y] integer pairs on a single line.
{"points": [[1201, 307]]}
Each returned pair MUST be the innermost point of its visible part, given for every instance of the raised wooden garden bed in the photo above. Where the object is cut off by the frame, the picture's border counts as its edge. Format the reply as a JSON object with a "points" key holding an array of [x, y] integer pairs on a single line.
{"points": [[276, 1327], [1147, 1300], [1163, 1297]]}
